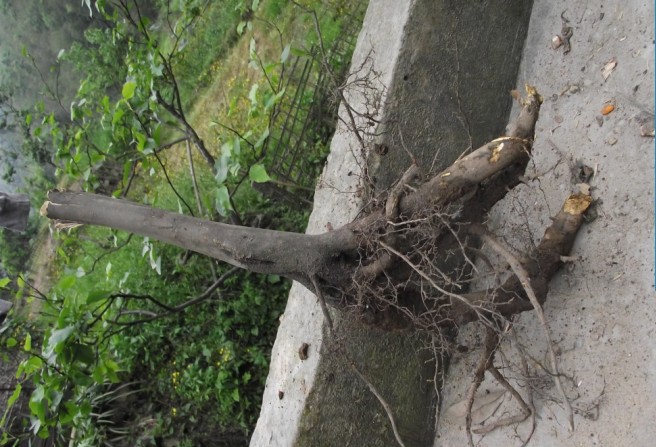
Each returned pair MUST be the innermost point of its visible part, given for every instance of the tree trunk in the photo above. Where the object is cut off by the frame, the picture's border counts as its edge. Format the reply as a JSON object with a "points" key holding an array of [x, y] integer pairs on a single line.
{"points": [[14, 211], [372, 263]]}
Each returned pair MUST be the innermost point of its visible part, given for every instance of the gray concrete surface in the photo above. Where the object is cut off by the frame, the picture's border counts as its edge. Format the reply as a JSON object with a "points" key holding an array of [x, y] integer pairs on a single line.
{"points": [[601, 309], [290, 379], [438, 87]]}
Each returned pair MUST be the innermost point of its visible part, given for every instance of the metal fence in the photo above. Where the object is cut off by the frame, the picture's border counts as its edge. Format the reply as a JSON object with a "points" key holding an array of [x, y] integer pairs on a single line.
{"points": [[305, 119]]}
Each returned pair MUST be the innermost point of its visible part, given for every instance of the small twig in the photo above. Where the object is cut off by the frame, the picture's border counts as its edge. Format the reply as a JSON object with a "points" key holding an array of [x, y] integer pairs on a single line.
{"points": [[395, 194], [110, 251], [170, 182], [322, 303], [524, 368], [173, 309], [40, 294], [382, 401], [194, 182], [140, 312], [487, 359], [410, 154], [525, 280], [430, 280], [526, 410]]}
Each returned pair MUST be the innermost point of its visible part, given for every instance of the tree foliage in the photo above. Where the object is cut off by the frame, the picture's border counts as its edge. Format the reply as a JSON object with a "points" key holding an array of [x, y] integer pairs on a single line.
{"points": [[119, 312]]}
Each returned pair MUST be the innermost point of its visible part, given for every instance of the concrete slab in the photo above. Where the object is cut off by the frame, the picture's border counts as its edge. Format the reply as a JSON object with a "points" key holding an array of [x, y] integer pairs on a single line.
{"points": [[601, 309], [433, 89]]}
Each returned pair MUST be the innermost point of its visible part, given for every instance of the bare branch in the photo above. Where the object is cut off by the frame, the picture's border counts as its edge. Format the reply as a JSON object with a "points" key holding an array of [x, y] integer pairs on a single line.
{"points": [[169, 309]]}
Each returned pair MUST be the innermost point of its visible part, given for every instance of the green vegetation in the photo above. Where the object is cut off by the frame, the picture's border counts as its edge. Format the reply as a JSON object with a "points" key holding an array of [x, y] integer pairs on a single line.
{"points": [[137, 341]]}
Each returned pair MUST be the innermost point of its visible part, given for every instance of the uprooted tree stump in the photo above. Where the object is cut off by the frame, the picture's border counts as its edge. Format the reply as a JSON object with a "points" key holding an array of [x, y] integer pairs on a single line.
{"points": [[391, 265]]}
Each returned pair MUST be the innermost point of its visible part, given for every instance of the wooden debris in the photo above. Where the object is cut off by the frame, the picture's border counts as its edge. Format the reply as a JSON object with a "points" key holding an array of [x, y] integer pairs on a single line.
{"points": [[608, 67]]}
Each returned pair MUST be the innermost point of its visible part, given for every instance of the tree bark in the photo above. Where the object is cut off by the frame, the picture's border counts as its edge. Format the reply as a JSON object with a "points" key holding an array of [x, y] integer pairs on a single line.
{"points": [[14, 211]]}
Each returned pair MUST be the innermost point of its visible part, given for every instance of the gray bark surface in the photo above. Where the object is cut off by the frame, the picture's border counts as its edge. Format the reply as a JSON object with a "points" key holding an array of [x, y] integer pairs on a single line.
{"points": [[14, 211]]}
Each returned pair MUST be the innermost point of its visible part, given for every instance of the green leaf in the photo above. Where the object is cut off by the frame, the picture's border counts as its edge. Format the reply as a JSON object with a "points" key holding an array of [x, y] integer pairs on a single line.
{"points": [[252, 94], [258, 174], [222, 164], [85, 408], [28, 120], [234, 169], [67, 282], [141, 140], [252, 49], [15, 395], [157, 134], [4, 282], [236, 145], [260, 141], [105, 104], [299, 52], [99, 372], [285, 53], [128, 90], [112, 367], [118, 114], [274, 99], [57, 338], [27, 346], [30, 366], [97, 295], [222, 202], [127, 170], [235, 394], [11, 342], [68, 414], [37, 404], [83, 353], [60, 334]]}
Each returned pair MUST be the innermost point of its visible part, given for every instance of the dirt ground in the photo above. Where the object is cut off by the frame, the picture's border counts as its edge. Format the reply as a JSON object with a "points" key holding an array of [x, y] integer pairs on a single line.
{"points": [[601, 308]]}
